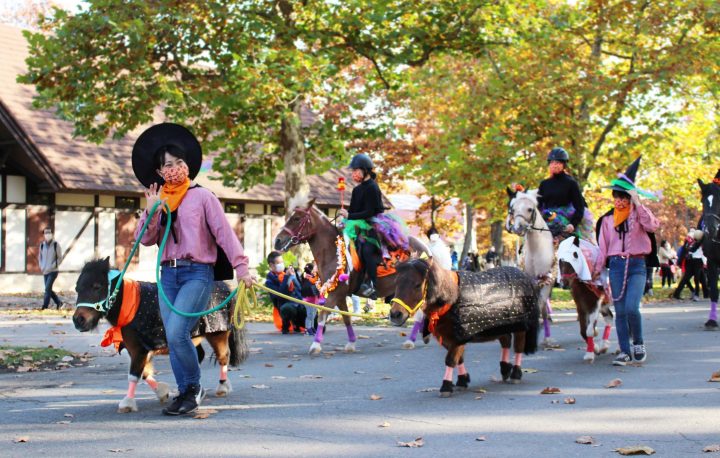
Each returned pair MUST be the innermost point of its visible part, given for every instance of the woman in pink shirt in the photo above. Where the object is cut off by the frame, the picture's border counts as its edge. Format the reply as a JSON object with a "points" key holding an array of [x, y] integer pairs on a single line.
{"points": [[625, 238], [166, 157]]}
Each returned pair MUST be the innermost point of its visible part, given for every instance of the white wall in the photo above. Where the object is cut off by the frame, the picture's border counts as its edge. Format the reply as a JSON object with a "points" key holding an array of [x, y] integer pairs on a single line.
{"points": [[254, 229], [67, 225], [106, 235], [16, 189], [15, 236]]}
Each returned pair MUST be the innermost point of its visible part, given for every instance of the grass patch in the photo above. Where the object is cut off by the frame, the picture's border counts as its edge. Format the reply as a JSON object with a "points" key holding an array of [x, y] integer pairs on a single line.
{"points": [[12, 357]]}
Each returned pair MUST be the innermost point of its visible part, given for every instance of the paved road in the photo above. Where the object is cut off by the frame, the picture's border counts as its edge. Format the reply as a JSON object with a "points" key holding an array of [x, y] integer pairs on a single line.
{"points": [[668, 404]]}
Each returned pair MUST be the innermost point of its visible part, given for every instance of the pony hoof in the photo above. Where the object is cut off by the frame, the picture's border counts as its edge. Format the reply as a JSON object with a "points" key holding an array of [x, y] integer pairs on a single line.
{"points": [[426, 339], [463, 381], [711, 325], [446, 389], [223, 389], [350, 347], [127, 405], [548, 342], [604, 347], [315, 348], [515, 375], [408, 344], [505, 369], [162, 392], [589, 356]]}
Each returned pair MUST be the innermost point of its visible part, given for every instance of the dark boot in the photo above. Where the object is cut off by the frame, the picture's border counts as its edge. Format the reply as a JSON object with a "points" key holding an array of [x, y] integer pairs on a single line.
{"points": [[463, 381], [516, 374], [505, 369], [446, 389]]}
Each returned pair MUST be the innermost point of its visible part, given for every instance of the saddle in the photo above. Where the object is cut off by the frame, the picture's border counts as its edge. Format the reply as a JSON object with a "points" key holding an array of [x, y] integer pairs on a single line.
{"points": [[390, 260]]}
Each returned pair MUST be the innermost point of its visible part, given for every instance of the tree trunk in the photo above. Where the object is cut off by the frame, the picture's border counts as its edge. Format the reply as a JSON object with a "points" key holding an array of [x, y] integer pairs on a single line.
{"points": [[293, 150], [496, 233], [469, 225]]}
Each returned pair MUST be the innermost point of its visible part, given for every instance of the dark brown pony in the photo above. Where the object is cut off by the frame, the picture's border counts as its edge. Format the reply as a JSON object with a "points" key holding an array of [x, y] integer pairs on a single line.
{"points": [[144, 336], [590, 299], [424, 284], [306, 223]]}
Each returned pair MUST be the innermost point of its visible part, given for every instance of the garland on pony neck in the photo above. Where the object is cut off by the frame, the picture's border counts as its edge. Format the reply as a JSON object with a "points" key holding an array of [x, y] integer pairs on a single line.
{"points": [[340, 274]]}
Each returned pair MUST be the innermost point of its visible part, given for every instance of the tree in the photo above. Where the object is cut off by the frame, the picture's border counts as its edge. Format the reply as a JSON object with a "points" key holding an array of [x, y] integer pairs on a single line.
{"points": [[268, 85]]}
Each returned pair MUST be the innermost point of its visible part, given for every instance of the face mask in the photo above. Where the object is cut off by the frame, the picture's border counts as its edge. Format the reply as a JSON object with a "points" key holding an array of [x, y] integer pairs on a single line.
{"points": [[176, 174], [280, 267], [48, 237], [434, 237]]}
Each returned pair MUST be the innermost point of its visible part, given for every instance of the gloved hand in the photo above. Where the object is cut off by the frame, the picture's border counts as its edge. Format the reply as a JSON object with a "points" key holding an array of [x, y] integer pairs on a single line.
{"points": [[634, 197]]}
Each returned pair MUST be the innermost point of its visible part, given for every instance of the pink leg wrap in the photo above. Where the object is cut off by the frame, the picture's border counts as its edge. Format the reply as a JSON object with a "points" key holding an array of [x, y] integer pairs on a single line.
{"points": [[223, 373], [549, 307], [461, 369], [606, 332], [131, 389], [505, 355], [448, 373], [590, 344], [151, 383], [518, 359]]}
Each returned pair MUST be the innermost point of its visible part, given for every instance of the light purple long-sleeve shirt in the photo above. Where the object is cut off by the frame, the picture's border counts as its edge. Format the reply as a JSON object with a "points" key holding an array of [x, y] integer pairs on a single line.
{"points": [[200, 227], [637, 242]]}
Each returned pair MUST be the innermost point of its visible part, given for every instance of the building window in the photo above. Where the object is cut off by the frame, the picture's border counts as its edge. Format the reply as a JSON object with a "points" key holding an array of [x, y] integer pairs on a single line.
{"points": [[277, 210], [234, 208], [130, 203]]}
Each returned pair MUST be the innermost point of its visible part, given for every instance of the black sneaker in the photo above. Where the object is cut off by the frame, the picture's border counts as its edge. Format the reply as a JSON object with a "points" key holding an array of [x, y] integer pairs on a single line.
{"points": [[622, 359], [639, 353], [174, 407], [366, 290]]}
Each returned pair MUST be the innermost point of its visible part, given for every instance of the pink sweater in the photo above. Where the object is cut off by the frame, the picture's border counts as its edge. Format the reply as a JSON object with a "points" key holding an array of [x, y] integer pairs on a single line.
{"points": [[640, 221], [200, 227]]}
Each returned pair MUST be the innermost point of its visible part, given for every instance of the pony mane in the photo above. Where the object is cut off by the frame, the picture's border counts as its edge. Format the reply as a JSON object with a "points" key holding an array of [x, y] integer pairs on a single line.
{"points": [[298, 200], [440, 288], [532, 195]]}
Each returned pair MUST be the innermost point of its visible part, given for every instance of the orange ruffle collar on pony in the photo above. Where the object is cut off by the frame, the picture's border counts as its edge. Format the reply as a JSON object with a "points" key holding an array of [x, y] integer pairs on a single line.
{"points": [[128, 309], [434, 316]]}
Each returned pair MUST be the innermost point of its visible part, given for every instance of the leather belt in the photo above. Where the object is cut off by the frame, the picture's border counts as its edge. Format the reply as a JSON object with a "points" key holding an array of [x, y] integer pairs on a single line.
{"points": [[630, 256], [178, 263]]}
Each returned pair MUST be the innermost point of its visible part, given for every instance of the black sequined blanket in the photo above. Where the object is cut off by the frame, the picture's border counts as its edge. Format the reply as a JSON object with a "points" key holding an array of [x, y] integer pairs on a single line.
{"points": [[494, 302]]}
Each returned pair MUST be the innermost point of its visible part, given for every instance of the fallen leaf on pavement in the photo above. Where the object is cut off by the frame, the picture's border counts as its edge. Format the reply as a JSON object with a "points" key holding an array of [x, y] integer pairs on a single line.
{"points": [[387, 377], [569, 401], [278, 377], [403, 334], [550, 390], [614, 383], [66, 385], [243, 376], [479, 390], [360, 336], [119, 450], [384, 425], [477, 398], [428, 390], [375, 397], [359, 372], [69, 415], [412, 444], [555, 401], [480, 438], [21, 439], [63, 422], [712, 448], [311, 376], [203, 414], [529, 370], [57, 331], [108, 391], [635, 450], [587, 440], [715, 377], [269, 365], [260, 387]]}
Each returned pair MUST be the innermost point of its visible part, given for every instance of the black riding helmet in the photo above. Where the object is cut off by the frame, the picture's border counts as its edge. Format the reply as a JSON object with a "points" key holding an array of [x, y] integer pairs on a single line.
{"points": [[362, 161], [558, 154]]}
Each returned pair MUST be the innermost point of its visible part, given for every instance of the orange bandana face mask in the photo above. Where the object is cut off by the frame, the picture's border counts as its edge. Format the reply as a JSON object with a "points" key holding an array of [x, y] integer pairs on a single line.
{"points": [[621, 212], [176, 185]]}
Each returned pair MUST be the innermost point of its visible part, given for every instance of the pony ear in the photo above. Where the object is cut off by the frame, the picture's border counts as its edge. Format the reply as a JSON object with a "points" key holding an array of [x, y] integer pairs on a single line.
{"points": [[510, 192], [534, 193], [702, 185], [312, 202], [576, 241], [106, 262]]}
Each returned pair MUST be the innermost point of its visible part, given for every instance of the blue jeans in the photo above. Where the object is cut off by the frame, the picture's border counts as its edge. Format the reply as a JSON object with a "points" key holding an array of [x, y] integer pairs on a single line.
{"points": [[628, 320], [188, 288], [49, 293]]}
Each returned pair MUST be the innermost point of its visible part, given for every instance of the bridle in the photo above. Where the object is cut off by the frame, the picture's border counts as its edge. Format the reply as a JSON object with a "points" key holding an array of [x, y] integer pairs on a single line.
{"points": [[103, 306], [530, 222], [412, 310], [296, 235]]}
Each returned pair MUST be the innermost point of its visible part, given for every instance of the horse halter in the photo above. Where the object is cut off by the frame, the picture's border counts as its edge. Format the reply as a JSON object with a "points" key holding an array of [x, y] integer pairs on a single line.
{"points": [[412, 310], [106, 304], [530, 222], [296, 235]]}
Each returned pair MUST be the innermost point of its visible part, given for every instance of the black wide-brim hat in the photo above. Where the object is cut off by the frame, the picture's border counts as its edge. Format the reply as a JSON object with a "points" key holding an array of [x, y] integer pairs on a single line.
{"points": [[154, 138]]}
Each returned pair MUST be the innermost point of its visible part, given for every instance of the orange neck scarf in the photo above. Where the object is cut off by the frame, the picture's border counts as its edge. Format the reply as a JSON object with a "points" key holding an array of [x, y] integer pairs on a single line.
{"points": [[128, 309], [174, 193], [435, 315], [620, 215]]}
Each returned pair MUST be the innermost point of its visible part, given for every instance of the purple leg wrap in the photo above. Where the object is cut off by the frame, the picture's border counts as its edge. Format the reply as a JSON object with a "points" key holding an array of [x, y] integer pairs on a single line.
{"points": [[415, 329], [546, 327], [713, 311], [351, 333], [319, 333]]}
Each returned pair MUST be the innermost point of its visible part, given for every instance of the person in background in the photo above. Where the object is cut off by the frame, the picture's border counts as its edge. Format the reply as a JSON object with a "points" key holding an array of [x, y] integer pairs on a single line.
{"points": [[285, 281], [667, 258], [49, 257], [454, 259], [310, 293], [491, 257]]}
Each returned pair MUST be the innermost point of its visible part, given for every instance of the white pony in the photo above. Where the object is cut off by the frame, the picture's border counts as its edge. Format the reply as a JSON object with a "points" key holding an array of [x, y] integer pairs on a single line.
{"points": [[575, 260], [525, 220]]}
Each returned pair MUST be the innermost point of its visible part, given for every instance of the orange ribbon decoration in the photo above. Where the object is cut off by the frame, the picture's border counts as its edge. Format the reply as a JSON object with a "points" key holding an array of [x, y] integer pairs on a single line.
{"points": [[128, 309]]}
